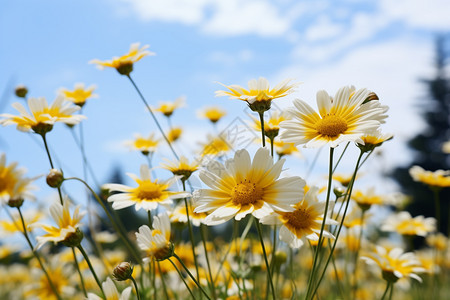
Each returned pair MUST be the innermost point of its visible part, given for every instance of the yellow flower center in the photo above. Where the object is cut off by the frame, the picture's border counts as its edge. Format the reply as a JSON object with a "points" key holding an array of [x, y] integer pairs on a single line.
{"points": [[149, 191], [302, 220], [246, 193], [331, 125]]}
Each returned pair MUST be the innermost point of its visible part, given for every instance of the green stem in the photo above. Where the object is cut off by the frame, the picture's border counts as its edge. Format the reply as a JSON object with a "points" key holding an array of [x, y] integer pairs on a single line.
{"points": [[391, 292], [355, 263], [437, 207], [118, 229], [340, 157], [163, 281], [271, 146], [153, 116], [36, 254], [150, 219], [322, 228], [349, 194], [190, 275], [182, 278], [47, 150], [388, 286], [86, 257], [261, 119], [79, 272], [211, 281], [136, 288], [269, 273]]}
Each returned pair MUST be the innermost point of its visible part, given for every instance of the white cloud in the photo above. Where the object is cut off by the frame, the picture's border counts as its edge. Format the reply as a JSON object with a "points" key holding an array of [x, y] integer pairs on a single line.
{"points": [[230, 59], [324, 28], [428, 14]]}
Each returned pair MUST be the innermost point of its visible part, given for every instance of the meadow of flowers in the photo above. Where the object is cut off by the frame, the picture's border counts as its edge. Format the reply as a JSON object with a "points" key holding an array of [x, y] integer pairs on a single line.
{"points": [[252, 230]]}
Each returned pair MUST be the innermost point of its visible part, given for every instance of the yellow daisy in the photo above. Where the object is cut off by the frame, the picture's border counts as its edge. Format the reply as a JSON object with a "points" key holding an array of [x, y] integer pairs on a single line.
{"points": [[156, 242], [174, 134], [403, 223], [373, 139], [179, 215], [111, 292], [216, 145], [15, 225], [143, 144], [282, 148], [271, 125], [302, 223], [259, 95], [438, 241], [181, 167], [42, 115], [244, 187], [167, 107], [214, 113], [13, 184], [124, 63], [439, 178], [147, 195], [79, 94], [67, 224], [365, 199], [395, 263], [340, 119]]}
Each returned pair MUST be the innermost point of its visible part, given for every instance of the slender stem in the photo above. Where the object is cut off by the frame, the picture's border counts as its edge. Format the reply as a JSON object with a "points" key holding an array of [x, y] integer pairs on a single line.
{"points": [[118, 229], [211, 281], [261, 118], [153, 116], [153, 275], [47, 150], [388, 286], [182, 278], [258, 227], [79, 272], [349, 194], [163, 281], [355, 263], [150, 219], [36, 254], [316, 157], [340, 157], [136, 288], [320, 241], [190, 275], [86, 257], [272, 258], [271, 147], [391, 292]]}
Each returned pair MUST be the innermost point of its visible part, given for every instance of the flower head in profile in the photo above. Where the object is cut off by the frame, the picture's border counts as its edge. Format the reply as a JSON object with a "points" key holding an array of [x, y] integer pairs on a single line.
{"points": [[147, 195], [42, 116], [343, 118], [216, 145], [213, 113], [124, 63], [365, 199], [436, 179], [168, 107], [181, 167], [79, 94], [446, 147], [271, 124], [111, 292], [403, 223], [156, 242], [14, 186], [67, 226], [179, 215], [395, 263], [243, 187], [259, 95], [174, 134], [282, 148], [302, 223], [145, 145], [373, 139]]}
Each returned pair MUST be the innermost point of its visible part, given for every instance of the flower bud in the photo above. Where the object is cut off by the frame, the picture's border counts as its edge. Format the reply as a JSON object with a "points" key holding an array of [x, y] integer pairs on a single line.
{"points": [[73, 239], [125, 68], [21, 91], [15, 202], [123, 271], [55, 178]]}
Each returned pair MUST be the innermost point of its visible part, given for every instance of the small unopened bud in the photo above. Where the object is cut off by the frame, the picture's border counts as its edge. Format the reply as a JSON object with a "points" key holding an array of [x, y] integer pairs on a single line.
{"points": [[55, 178], [123, 271], [280, 258], [371, 97], [15, 202], [338, 192], [21, 91]]}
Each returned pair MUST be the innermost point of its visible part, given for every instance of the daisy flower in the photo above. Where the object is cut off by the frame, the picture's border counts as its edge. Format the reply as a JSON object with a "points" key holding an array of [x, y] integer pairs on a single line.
{"points": [[147, 195], [111, 292], [446, 147], [143, 144], [124, 63], [438, 241], [167, 107], [156, 243], [282, 148], [174, 134], [42, 116], [271, 125], [340, 119], [302, 223], [67, 225], [179, 215], [395, 263], [258, 95], [213, 114], [181, 167], [438, 179], [14, 186], [403, 223], [79, 94], [244, 187], [217, 145], [373, 139], [365, 199]]}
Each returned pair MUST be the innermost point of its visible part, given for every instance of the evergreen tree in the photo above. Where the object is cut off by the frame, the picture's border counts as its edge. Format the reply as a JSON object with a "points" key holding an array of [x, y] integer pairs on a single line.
{"points": [[427, 146]]}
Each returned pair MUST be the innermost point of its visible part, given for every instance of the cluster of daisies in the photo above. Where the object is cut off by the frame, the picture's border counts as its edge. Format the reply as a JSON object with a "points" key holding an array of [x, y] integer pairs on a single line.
{"points": [[289, 239]]}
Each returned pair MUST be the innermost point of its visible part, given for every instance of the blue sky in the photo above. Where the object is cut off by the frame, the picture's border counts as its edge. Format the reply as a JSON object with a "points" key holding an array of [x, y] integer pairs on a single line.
{"points": [[384, 45]]}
